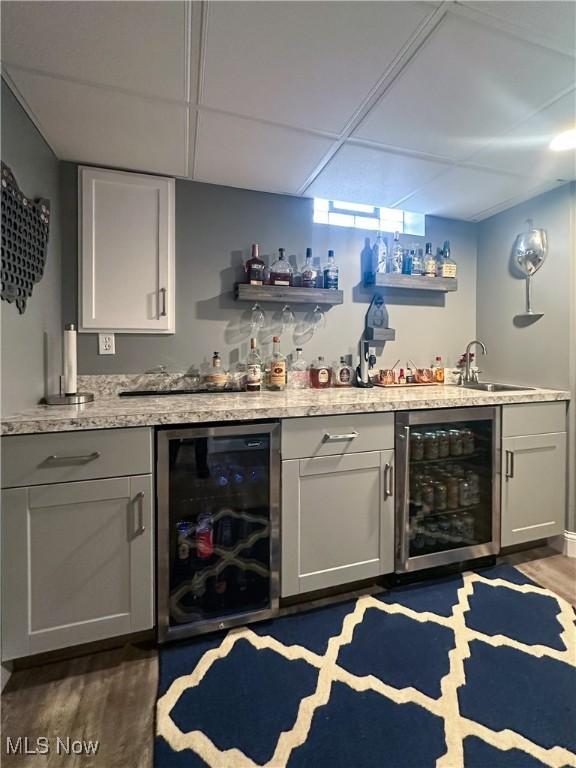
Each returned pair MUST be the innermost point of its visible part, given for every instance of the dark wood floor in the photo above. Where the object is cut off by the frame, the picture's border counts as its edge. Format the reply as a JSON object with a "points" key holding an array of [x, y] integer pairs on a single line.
{"points": [[109, 696]]}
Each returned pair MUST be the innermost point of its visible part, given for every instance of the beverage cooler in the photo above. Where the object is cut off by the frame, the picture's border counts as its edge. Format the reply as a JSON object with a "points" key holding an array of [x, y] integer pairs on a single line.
{"points": [[447, 485], [218, 527]]}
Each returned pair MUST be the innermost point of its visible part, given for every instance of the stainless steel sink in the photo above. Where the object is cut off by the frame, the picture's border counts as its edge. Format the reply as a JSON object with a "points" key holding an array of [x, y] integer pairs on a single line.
{"points": [[488, 386]]}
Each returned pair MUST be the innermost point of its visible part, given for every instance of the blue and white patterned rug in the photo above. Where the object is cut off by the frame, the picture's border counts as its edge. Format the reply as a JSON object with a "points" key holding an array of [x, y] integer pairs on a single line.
{"points": [[474, 670]]}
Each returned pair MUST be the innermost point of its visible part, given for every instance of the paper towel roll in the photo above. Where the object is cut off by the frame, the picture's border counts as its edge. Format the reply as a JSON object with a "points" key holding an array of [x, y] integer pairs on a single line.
{"points": [[70, 361]]}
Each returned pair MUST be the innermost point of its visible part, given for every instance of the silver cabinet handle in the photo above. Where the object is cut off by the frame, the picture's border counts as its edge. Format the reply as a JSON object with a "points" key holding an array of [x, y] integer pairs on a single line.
{"points": [[388, 489], [328, 438], [163, 294], [139, 501], [509, 465], [81, 459]]}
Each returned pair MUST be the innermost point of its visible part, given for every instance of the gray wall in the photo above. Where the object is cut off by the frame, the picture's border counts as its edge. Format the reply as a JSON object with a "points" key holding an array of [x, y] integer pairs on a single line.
{"points": [[214, 229], [31, 343], [543, 353]]}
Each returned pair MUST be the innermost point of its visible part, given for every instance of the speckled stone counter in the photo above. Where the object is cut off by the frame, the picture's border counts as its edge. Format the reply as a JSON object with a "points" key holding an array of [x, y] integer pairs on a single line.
{"points": [[109, 411]]}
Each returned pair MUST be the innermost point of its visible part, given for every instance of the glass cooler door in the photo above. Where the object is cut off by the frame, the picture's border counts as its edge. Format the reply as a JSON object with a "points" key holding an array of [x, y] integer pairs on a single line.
{"points": [[448, 502], [220, 509]]}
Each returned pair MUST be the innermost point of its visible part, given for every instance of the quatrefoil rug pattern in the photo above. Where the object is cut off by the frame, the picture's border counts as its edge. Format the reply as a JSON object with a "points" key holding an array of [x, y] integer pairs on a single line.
{"points": [[475, 670]]}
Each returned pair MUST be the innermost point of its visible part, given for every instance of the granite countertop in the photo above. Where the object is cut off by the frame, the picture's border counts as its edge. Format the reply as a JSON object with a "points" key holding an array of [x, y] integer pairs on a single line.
{"points": [[109, 410]]}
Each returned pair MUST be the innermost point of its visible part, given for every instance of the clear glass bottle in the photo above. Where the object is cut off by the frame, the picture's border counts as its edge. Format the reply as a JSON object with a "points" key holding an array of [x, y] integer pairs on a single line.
{"points": [[296, 274], [254, 267], [253, 369], [330, 273], [298, 375], [343, 374], [396, 257], [429, 262], [448, 266], [380, 254], [216, 376], [418, 262], [320, 374], [281, 270], [309, 272], [276, 368]]}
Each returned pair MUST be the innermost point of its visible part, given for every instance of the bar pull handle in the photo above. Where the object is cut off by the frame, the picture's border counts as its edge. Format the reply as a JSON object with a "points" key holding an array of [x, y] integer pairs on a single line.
{"points": [[328, 438], [388, 488], [81, 459], [139, 501], [163, 295], [509, 465]]}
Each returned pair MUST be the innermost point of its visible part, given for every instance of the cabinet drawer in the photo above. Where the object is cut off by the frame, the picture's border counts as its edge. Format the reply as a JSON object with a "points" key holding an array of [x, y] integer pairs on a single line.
{"points": [[330, 435], [533, 419], [72, 456]]}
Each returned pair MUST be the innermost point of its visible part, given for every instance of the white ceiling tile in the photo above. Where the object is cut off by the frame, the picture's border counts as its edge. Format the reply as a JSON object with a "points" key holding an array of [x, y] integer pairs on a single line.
{"points": [[462, 193], [309, 64], [554, 20], [135, 45], [96, 125], [365, 175], [525, 149], [242, 153], [467, 85]]}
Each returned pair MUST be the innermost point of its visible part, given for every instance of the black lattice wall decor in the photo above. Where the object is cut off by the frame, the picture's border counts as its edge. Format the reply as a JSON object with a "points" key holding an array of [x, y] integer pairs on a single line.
{"points": [[25, 225]]}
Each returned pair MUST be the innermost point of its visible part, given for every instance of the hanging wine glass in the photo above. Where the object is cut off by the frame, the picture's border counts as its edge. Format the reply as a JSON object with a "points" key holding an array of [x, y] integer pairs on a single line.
{"points": [[318, 318], [257, 318], [287, 317]]}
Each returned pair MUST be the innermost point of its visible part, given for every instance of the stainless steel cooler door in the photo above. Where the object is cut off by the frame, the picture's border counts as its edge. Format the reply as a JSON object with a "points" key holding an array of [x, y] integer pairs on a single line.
{"points": [[447, 486], [218, 527]]}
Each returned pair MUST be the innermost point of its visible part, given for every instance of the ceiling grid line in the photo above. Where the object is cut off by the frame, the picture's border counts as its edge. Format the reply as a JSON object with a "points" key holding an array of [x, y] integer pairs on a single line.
{"points": [[403, 58]]}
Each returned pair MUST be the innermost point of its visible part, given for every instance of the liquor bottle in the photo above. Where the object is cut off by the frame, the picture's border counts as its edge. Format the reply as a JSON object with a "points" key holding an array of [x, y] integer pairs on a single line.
{"points": [[396, 257], [438, 368], [330, 273], [253, 369], [320, 374], [216, 377], [280, 270], [276, 367], [254, 267], [296, 275], [429, 262], [344, 374], [298, 376], [382, 265], [418, 262], [447, 266], [309, 272]]}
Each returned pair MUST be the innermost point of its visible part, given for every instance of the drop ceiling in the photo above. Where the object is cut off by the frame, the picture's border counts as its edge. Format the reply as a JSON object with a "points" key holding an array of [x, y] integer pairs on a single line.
{"points": [[442, 108]]}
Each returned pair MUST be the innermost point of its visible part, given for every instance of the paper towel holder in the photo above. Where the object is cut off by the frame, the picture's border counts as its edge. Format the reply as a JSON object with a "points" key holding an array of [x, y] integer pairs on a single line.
{"points": [[69, 398]]}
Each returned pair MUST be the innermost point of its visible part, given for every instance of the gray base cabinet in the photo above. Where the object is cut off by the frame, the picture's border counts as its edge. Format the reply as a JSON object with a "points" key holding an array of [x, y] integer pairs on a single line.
{"points": [[77, 563], [337, 520], [533, 472]]}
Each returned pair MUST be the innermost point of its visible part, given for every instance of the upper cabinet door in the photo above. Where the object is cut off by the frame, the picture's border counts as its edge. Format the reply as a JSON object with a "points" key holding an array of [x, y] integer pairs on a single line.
{"points": [[126, 252]]}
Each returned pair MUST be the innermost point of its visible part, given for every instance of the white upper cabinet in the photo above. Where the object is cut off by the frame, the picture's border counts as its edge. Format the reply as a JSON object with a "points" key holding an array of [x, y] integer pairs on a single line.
{"points": [[126, 265]]}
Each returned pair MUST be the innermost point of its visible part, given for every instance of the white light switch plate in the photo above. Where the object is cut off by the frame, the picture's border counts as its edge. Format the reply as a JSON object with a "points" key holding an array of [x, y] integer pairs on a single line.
{"points": [[106, 344]]}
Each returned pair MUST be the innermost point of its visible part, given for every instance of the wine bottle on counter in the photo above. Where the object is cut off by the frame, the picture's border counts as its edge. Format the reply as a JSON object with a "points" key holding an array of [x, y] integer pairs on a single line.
{"points": [[254, 267]]}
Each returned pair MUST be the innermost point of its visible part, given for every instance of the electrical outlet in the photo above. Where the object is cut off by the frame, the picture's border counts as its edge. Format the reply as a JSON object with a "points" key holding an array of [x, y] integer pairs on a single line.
{"points": [[106, 344]]}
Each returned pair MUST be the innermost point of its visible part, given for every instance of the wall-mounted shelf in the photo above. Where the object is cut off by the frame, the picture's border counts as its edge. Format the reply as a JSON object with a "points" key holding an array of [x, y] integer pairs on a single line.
{"points": [[414, 282], [287, 294]]}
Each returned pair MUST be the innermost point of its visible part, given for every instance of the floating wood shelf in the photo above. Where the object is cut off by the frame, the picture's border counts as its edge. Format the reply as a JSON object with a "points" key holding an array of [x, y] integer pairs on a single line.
{"points": [[415, 282], [287, 294]]}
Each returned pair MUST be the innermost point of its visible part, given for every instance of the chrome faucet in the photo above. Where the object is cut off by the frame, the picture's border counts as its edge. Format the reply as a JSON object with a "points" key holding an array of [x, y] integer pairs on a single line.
{"points": [[468, 376]]}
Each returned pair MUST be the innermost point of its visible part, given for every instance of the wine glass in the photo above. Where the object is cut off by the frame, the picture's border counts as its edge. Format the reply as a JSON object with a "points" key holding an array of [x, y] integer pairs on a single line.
{"points": [[318, 318], [257, 318], [288, 318]]}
